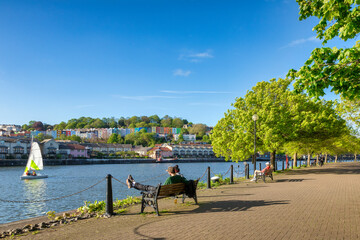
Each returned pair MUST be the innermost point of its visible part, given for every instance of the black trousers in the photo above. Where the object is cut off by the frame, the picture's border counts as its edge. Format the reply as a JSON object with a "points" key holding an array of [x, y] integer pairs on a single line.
{"points": [[145, 188]]}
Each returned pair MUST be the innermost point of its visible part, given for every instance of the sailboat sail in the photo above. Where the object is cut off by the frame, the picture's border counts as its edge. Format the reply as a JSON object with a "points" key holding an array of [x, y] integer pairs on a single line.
{"points": [[35, 161]]}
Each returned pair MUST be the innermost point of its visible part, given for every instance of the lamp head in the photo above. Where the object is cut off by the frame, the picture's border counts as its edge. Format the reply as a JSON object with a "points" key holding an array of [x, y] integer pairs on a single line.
{"points": [[255, 117]]}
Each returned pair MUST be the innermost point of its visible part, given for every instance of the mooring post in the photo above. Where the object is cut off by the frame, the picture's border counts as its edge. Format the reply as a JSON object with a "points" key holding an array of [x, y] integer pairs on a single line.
{"points": [[109, 196], [208, 178], [246, 171], [231, 174]]}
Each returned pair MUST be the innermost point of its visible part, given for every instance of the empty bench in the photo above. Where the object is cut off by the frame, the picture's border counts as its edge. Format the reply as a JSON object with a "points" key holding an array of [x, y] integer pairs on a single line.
{"points": [[171, 190]]}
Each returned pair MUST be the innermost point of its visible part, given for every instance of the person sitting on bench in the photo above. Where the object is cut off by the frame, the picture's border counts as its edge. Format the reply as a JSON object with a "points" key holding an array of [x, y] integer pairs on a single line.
{"points": [[174, 178], [264, 171]]}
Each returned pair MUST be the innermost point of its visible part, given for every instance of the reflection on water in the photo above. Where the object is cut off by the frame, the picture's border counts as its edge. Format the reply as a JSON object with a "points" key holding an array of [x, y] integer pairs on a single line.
{"points": [[34, 190]]}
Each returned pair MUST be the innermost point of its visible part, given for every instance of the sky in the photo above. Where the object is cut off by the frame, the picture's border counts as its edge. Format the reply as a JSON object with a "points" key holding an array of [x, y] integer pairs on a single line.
{"points": [[64, 59]]}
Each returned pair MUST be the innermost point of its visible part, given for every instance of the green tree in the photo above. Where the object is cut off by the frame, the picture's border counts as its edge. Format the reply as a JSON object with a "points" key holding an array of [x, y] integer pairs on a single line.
{"points": [[337, 69], [198, 129], [114, 138], [177, 123]]}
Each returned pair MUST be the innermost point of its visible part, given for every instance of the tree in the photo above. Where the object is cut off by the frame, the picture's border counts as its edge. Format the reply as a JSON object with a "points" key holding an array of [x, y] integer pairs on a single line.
{"points": [[177, 123], [198, 129], [38, 126], [114, 138], [350, 111], [287, 120], [337, 69], [166, 121]]}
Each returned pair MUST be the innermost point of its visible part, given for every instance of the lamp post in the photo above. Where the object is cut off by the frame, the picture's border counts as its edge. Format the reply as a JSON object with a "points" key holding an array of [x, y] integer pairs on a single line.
{"points": [[255, 117]]}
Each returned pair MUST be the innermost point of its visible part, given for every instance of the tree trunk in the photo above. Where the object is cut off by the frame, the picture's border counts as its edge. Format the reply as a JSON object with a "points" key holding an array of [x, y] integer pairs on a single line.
{"points": [[308, 160], [336, 156], [295, 160], [317, 159], [325, 158], [272, 159]]}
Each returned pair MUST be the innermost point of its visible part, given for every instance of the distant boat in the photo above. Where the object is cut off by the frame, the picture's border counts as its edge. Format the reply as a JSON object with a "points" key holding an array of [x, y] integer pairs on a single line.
{"points": [[35, 162]]}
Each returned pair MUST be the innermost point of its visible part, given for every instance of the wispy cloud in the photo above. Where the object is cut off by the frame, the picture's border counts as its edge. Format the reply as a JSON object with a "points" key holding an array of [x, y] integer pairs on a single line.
{"points": [[301, 41], [194, 92], [182, 73], [143, 98], [192, 56]]}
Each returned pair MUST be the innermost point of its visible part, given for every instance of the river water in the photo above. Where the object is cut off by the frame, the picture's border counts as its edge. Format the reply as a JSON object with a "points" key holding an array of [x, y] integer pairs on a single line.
{"points": [[66, 180]]}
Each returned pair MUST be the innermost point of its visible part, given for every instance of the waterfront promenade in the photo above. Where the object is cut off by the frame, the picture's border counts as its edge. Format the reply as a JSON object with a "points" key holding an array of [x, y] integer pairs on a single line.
{"points": [[308, 203]]}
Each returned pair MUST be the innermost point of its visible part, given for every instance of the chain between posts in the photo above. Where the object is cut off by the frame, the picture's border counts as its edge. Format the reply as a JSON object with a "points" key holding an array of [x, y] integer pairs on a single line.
{"points": [[202, 175], [52, 199]]}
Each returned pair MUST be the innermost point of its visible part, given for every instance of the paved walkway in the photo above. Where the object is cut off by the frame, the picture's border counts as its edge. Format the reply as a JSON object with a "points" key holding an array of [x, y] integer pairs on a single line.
{"points": [[314, 203]]}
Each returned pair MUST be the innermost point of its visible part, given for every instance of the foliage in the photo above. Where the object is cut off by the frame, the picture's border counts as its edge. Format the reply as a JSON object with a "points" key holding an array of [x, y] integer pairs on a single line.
{"points": [[335, 68], [198, 129], [99, 207], [122, 122], [50, 214], [288, 121], [350, 111], [42, 137]]}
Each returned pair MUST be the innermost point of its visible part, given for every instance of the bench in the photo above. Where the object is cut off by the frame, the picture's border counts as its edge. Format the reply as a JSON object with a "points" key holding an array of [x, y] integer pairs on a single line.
{"points": [[268, 173], [171, 190]]}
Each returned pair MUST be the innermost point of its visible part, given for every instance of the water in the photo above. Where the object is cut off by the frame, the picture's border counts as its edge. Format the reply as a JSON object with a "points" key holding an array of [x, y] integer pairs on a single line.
{"points": [[65, 180]]}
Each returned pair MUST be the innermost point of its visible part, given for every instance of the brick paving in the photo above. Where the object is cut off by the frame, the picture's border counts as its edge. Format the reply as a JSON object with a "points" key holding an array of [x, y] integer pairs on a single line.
{"points": [[310, 203]]}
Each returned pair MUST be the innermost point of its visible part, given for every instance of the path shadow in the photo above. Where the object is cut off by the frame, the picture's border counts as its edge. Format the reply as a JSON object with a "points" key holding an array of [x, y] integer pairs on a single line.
{"points": [[291, 180], [338, 169], [216, 206], [232, 205]]}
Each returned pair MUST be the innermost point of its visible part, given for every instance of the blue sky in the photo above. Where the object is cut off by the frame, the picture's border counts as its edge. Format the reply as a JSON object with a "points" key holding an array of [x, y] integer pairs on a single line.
{"points": [[191, 58]]}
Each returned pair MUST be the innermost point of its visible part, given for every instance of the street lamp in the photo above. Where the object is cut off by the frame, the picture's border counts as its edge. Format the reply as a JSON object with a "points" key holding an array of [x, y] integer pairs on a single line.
{"points": [[255, 117]]}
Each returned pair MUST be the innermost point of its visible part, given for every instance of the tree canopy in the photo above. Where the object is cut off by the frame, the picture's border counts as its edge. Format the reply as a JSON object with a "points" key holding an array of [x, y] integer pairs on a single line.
{"points": [[337, 69]]}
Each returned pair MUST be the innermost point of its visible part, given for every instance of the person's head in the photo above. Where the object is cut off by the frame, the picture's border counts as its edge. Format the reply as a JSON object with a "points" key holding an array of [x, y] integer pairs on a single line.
{"points": [[171, 170], [176, 168], [267, 164]]}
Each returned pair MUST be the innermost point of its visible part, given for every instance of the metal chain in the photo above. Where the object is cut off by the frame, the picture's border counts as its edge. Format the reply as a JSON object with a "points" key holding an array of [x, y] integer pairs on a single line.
{"points": [[119, 181], [202, 175], [52, 199]]}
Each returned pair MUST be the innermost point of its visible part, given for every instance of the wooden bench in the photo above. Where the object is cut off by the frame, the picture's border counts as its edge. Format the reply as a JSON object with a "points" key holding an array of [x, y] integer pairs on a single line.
{"points": [[163, 191], [268, 173]]}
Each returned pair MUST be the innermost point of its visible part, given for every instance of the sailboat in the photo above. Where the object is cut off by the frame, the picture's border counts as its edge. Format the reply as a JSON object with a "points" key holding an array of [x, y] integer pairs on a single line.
{"points": [[35, 162]]}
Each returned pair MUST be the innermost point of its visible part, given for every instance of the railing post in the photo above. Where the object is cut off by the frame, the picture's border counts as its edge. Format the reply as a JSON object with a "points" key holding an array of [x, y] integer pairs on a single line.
{"points": [[109, 196], [208, 178], [260, 166], [231, 174], [246, 171], [283, 165]]}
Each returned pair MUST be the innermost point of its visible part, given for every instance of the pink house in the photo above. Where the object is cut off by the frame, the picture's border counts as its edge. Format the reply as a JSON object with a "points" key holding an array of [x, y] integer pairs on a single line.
{"points": [[76, 150]]}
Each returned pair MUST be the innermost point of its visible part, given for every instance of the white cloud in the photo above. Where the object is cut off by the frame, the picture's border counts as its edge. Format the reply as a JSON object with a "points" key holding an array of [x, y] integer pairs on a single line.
{"points": [[301, 41], [182, 73], [196, 56], [142, 98], [194, 92]]}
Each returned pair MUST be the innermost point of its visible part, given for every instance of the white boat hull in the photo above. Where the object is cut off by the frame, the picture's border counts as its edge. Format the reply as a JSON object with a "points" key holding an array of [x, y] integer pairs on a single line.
{"points": [[23, 177]]}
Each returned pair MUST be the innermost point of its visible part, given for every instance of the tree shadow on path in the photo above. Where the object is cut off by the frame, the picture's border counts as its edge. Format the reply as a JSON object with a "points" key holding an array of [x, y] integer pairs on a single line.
{"points": [[340, 169]]}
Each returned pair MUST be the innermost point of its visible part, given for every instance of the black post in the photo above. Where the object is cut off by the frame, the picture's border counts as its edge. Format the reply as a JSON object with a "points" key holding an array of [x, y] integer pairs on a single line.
{"points": [[292, 164], [283, 165], [246, 171], [208, 178], [109, 196], [231, 174], [260, 166]]}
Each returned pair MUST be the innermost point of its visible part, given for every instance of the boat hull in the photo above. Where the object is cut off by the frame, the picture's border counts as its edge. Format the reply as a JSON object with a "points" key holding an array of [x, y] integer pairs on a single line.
{"points": [[33, 177]]}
